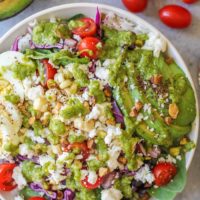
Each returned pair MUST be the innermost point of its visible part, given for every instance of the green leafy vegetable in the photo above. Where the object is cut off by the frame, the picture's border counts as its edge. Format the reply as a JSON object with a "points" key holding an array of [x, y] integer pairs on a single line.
{"points": [[28, 193], [62, 57], [170, 191]]}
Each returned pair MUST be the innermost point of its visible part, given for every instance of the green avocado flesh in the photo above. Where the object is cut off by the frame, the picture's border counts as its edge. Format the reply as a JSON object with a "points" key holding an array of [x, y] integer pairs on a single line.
{"points": [[139, 66], [9, 8]]}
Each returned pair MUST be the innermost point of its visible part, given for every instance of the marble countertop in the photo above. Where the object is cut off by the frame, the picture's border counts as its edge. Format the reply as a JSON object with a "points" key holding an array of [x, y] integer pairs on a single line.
{"points": [[186, 41]]}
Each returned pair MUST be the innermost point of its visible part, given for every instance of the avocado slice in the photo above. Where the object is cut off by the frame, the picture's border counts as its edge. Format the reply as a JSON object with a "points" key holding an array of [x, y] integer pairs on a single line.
{"points": [[9, 8]]}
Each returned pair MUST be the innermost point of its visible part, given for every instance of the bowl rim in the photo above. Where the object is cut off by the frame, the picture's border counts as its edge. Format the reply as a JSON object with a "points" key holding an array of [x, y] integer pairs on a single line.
{"points": [[128, 15]]}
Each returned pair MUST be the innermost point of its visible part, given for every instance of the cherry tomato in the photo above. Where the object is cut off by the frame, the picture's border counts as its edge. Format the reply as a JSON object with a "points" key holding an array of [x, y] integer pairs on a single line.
{"points": [[135, 5], [164, 172], [79, 145], [6, 181], [175, 16], [36, 198], [89, 47], [189, 1], [88, 29], [90, 186], [49, 70]]}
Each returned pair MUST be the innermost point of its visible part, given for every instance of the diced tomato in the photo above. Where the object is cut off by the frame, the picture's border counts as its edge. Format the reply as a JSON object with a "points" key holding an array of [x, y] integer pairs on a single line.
{"points": [[6, 181], [79, 145], [49, 70], [88, 29], [90, 186], [36, 198], [89, 47], [164, 172]]}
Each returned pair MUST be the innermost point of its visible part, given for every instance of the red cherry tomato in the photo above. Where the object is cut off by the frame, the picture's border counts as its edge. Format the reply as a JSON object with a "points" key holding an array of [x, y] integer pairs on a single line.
{"points": [[79, 145], [6, 181], [90, 186], [175, 16], [135, 5], [88, 29], [189, 1], [36, 198], [49, 70], [164, 172], [89, 47]]}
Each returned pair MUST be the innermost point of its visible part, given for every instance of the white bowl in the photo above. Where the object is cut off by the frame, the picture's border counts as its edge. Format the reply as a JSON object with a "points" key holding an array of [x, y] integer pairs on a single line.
{"points": [[89, 9]]}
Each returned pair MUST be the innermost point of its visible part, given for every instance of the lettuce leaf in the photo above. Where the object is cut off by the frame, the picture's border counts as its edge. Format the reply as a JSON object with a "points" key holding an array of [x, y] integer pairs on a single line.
{"points": [[28, 193], [170, 191], [62, 57]]}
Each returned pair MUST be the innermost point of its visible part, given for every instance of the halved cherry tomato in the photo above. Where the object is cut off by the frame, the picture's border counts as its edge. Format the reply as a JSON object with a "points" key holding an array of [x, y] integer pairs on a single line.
{"points": [[90, 186], [49, 70], [88, 29], [164, 172], [189, 1], [89, 47], [36, 198], [6, 181], [175, 16], [135, 5], [79, 145]]}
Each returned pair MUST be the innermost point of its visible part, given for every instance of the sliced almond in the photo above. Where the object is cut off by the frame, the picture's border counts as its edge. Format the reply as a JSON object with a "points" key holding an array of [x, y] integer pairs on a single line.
{"points": [[138, 106], [122, 160], [173, 110], [103, 171], [133, 112], [90, 143], [168, 120], [156, 79]]}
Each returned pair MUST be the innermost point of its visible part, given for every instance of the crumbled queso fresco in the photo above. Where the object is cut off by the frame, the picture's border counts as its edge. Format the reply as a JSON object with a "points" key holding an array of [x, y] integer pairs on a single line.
{"points": [[89, 109]]}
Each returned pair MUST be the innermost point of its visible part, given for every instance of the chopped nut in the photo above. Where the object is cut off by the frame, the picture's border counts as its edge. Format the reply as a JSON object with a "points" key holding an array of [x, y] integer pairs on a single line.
{"points": [[64, 144], [138, 106], [89, 125], [173, 110], [86, 105], [59, 195], [168, 120], [103, 171], [169, 60], [107, 92], [92, 101], [57, 108], [110, 122], [31, 120], [90, 143], [156, 79], [122, 160], [145, 197], [184, 141], [133, 112]]}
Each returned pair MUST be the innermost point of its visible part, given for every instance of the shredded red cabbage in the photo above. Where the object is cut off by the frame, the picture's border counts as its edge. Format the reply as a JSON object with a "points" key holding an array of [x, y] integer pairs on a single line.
{"points": [[98, 22], [14, 46], [68, 195], [92, 68], [108, 179], [38, 188], [45, 46], [117, 113]]}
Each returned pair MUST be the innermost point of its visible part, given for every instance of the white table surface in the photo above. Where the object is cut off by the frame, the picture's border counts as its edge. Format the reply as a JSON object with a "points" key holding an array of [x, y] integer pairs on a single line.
{"points": [[187, 42]]}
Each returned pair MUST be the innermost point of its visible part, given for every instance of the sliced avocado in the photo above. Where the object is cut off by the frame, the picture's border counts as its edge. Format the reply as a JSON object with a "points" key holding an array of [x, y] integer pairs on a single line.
{"points": [[179, 131], [9, 8]]}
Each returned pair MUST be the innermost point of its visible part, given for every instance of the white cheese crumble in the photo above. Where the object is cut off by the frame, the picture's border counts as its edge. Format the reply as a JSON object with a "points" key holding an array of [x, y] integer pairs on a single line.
{"points": [[43, 159], [111, 194], [95, 113], [38, 139], [84, 173], [23, 42], [102, 73], [35, 92], [92, 177], [114, 153], [144, 175], [92, 133], [25, 151], [18, 197], [59, 78], [168, 159], [19, 178], [112, 131]]}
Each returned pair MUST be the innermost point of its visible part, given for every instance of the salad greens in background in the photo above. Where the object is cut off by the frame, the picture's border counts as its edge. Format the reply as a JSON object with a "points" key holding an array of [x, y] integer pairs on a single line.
{"points": [[130, 60]]}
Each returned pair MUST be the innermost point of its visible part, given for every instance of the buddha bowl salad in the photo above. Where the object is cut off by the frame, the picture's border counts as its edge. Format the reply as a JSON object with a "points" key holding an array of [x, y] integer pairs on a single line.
{"points": [[93, 109]]}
